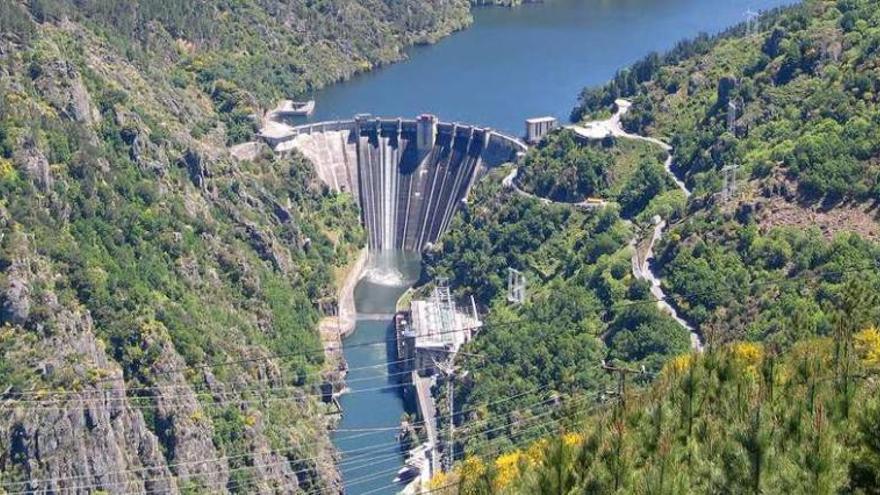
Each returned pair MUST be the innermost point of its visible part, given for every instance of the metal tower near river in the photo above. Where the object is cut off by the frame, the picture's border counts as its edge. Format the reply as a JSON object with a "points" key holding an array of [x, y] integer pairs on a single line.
{"points": [[729, 187], [751, 22], [731, 117]]}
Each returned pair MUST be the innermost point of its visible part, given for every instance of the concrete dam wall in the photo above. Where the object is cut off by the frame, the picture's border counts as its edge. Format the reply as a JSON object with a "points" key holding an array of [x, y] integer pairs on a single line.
{"points": [[409, 176]]}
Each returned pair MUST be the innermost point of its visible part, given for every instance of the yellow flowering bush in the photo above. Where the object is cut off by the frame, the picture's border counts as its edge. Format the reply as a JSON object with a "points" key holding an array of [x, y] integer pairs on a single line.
{"points": [[439, 481], [572, 439], [678, 364], [506, 469], [7, 170], [749, 355], [867, 344]]}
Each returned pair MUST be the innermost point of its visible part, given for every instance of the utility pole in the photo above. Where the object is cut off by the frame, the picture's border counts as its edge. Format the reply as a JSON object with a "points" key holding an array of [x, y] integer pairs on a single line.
{"points": [[619, 423], [621, 378]]}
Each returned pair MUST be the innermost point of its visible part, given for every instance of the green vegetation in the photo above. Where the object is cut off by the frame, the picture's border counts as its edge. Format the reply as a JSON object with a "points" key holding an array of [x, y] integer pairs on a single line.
{"points": [[778, 279], [584, 303], [624, 171], [245, 55], [738, 419], [780, 286], [805, 88], [129, 238]]}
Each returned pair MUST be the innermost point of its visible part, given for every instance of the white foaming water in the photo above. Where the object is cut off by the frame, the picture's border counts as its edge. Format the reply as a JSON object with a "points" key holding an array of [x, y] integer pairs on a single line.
{"points": [[382, 269], [381, 276]]}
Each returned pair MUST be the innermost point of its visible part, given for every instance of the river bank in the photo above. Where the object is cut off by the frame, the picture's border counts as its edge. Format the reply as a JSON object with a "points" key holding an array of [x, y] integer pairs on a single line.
{"points": [[334, 329], [509, 65]]}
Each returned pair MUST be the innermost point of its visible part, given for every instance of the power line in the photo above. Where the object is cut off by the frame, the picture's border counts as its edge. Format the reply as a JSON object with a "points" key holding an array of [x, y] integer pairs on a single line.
{"points": [[586, 397], [211, 394], [755, 284], [524, 322], [364, 451], [493, 451], [138, 389], [227, 458], [605, 309]]}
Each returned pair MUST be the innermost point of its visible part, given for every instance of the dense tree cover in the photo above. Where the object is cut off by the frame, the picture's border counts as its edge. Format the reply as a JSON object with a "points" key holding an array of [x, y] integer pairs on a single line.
{"points": [[584, 305], [782, 285], [558, 169], [564, 168], [247, 54], [804, 133], [805, 89], [739, 419]]}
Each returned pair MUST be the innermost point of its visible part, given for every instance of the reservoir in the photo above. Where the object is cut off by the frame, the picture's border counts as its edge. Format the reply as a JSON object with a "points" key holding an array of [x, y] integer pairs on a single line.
{"points": [[532, 60], [511, 64]]}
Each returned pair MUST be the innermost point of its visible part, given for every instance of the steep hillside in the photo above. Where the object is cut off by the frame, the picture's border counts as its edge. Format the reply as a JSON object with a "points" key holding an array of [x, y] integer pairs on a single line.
{"points": [[789, 255], [793, 104], [245, 54], [158, 299], [584, 303], [739, 419]]}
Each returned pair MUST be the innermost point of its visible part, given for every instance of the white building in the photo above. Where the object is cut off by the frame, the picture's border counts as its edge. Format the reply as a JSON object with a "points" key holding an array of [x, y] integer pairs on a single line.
{"points": [[539, 127]]}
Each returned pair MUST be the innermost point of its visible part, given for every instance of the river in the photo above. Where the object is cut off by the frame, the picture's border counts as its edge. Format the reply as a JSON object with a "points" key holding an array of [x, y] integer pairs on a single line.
{"points": [[512, 64]]}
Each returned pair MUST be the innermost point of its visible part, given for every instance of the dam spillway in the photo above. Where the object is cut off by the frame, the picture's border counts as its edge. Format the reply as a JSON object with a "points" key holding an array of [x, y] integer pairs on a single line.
{"points": [[409, 176]]}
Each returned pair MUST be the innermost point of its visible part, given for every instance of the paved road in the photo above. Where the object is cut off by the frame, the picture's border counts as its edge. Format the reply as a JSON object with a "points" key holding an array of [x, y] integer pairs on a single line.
{"points": [[641, 267], [510, 182]]}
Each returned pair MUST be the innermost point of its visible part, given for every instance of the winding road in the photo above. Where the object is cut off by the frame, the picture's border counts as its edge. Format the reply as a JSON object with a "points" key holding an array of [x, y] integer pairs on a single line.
{"points": [[641, 266]]}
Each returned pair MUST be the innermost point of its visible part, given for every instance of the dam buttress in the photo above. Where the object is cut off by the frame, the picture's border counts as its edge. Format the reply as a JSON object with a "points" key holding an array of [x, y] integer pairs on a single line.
{"points": [[409, 176]]}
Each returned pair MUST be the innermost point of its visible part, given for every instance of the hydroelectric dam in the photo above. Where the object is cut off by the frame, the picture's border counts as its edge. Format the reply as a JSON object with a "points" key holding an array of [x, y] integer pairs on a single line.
{"points": [[409, 175]]}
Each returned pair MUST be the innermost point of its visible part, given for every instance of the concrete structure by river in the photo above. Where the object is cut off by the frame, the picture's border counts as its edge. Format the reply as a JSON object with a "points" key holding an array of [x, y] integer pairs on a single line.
{"points": [[511, 65], [408, 175]]}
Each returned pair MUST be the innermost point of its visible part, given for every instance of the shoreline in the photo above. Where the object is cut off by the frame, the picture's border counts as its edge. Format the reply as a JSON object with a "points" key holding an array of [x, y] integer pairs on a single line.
{"points": [[334, 329]]}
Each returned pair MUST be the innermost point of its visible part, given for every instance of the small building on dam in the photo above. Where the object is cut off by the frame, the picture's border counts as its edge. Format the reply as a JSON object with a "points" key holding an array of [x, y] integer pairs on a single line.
{"points": [[408, 175]]}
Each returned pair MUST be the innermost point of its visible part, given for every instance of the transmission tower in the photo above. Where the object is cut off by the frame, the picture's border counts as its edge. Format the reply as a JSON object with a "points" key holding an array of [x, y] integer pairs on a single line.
{"points": [[731, 117], [516, 286], [729, 186], [751, 22]]}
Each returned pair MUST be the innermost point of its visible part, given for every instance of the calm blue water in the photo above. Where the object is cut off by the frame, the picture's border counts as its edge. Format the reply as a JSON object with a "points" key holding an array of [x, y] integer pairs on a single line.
{"points": [[510, 65], [370, 459], [532, 60]]}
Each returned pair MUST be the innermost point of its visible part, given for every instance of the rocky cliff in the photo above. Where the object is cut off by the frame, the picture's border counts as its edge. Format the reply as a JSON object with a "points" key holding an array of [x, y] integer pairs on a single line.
{"points": [[159, 298]]}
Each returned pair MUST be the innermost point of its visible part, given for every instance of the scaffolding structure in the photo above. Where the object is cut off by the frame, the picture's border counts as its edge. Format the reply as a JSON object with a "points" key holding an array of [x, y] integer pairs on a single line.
{"points": [[444, 308], [516, 286]]}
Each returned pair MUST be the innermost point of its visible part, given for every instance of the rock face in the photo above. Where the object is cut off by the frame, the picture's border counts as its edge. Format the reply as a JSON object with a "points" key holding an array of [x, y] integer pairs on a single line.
{"points": [[197, 171], [139, 253], [64, 88], [16, 305], [133, 257], [185, 431], [88, 439]]}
